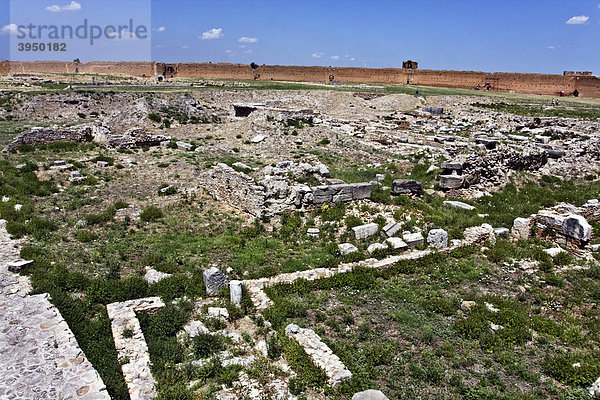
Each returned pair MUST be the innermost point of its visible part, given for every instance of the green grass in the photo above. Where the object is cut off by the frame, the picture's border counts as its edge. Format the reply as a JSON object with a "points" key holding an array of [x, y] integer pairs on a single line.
{"points": [[529, 111], [401, 330]]}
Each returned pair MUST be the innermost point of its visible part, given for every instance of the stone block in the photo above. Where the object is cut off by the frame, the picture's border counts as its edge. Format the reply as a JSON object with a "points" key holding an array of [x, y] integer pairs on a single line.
{"points": [[313, 232], [17, 266], [459, 204], [501, 231], [437, 238], [369, 395], [413, 239], [346, 248], [235, 292], [391, 229], [361, 190], [214, 279], [396, 243], [451, 181], [364, 231], [184, 146], [452, 166], [521, 228], [406, 186], [376, 246], [576, 227]]}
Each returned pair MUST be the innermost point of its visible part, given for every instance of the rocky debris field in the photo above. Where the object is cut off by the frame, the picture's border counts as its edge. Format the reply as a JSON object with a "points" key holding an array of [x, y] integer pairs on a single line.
{"points": [[224, 243]]}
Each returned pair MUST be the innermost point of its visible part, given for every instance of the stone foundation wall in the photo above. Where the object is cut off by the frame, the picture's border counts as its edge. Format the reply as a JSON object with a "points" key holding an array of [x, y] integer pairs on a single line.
{"points": [[40, 136], [341, 192], [234, 188]]}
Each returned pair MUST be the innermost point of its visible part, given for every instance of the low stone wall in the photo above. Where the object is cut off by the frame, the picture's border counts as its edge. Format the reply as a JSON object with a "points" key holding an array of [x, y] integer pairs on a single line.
{"points": [[234, 188], [133, 348], [563, 224], [320, 353], [40, 357], [99, 133], [41, 136], [475, 235], [341, 192], [136, 138]]}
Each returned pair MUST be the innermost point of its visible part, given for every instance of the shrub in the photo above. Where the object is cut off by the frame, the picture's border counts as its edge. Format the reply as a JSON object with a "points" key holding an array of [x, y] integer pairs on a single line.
{"points": [[16, 229], [102, 291], [120, 204], [151, 213], [178, 391], [102, 157], [86, 236], [563, 258], [444, 305], [333, 212], [102, 218], [207, 344], [560, 366], [274, 347], [283, 309], [154, 117], [352, 220], [308, 373], [175, 286]]}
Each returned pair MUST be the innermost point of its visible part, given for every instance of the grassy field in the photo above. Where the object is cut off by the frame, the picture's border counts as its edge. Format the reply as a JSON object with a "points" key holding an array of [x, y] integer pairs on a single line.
{"points": [[224, 84], [401, 329]]}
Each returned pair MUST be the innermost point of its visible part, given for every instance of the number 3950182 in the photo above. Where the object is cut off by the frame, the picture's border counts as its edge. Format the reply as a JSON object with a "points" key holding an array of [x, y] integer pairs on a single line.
{"points": [[42, 46]]}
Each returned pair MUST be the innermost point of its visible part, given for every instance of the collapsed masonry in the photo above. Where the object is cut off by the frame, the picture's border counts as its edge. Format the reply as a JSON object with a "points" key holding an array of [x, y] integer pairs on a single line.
{"points": [[43, 136], [491, 168], [563, 224], [273, 194], [99, 133]]}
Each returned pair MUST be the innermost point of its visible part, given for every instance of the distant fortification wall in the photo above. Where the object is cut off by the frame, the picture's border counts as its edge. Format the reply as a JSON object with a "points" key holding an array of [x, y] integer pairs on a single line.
{"points": [[586, 85]]}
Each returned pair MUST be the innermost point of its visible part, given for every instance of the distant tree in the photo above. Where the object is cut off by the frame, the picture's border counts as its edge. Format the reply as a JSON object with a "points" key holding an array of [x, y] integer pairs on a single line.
{"points": [[76, 61], [253, 65]]}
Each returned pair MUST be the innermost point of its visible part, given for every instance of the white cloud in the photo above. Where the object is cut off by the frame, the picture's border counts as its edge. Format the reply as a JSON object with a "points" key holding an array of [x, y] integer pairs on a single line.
{"points": [[185, 47], [249, 51], [245, 39], [73, 6], [113, 35], [161, 29], [578, 20], [335, 57], [318, 55], [214, 33], [10, 29], [551, 47]]}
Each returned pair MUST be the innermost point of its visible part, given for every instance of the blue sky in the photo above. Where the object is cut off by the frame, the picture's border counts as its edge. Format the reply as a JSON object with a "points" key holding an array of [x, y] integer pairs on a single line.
{"points": [[490, 35]]}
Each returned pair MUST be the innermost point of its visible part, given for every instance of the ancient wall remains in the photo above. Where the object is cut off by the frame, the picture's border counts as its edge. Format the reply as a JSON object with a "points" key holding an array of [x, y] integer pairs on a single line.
{"points": [[547, 84], [41, 136]]}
